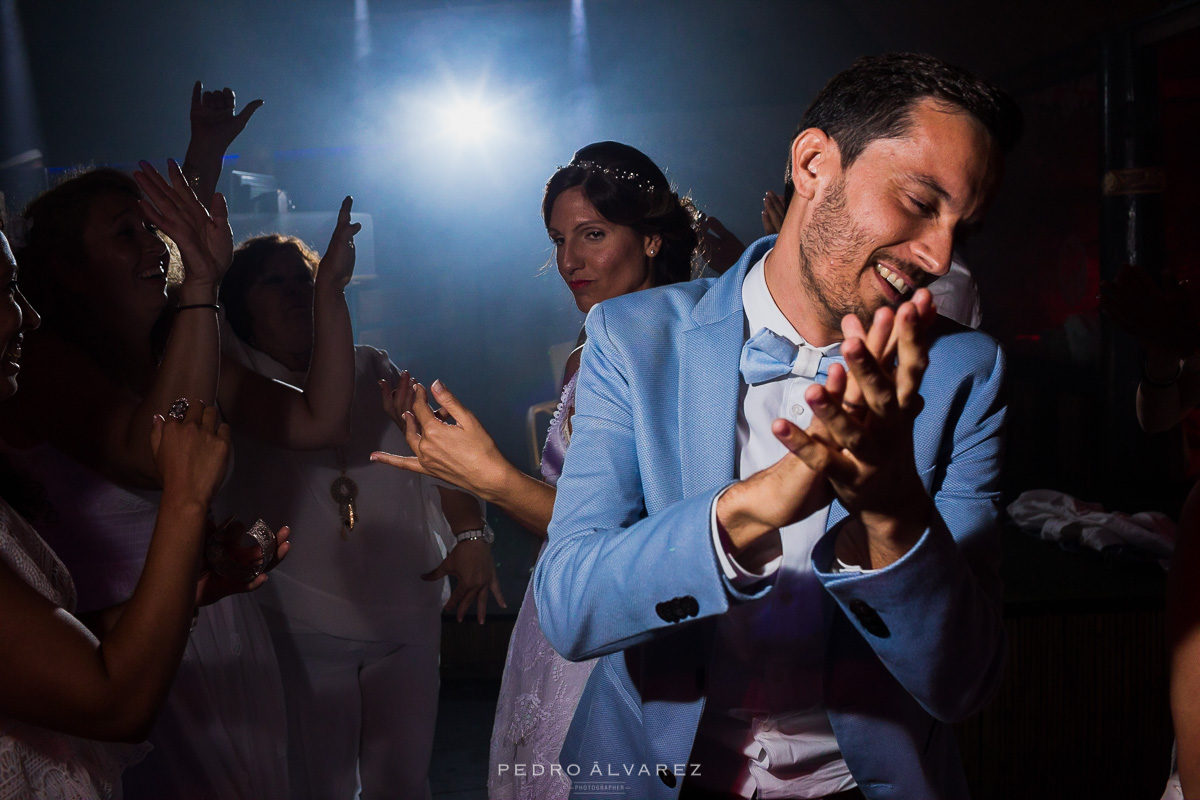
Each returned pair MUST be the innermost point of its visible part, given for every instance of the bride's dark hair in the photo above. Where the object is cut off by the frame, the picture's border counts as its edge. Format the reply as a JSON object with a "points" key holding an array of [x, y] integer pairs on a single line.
{"points": [[627, 188]]}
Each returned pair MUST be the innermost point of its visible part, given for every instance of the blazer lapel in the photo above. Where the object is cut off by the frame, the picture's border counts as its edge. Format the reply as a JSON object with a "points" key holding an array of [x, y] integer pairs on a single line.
{"points": [[709, 382]]}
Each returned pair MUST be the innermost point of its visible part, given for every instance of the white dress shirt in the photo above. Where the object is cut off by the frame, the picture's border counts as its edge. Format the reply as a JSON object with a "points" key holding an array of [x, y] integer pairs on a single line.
{"points": [[764, 726]]}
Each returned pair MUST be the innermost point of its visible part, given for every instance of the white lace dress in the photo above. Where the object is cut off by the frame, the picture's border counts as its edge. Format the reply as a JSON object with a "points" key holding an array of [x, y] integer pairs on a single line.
{"points": [[222, 732], [540, 689], [35, 762]]}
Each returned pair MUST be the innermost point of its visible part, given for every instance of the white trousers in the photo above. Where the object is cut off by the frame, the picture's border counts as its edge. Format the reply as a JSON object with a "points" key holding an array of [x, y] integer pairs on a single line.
{"points": [[357, 711]]}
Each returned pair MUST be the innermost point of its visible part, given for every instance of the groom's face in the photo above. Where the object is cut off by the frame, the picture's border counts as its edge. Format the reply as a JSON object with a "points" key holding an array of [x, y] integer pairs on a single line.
{"points": [[887, 225]]}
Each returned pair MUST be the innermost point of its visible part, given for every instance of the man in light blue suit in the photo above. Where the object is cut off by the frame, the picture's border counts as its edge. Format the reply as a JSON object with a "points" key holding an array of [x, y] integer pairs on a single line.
{"points": [[791, 572]]}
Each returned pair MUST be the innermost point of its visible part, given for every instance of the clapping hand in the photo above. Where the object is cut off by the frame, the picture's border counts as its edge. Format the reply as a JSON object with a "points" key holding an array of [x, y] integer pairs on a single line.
{"points": [[866, 448], [191, 453], [772, 213], [214, 125], [721, 246], [337, 265], [204, 238]]}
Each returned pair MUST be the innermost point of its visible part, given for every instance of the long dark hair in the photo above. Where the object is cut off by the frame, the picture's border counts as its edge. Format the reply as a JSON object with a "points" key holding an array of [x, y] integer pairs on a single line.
{"points": [[627, 188]]}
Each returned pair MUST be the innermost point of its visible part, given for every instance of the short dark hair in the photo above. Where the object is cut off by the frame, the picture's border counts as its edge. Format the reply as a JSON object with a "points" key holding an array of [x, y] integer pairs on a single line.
{"points": [[874, 99], [249, 260], [644, 202]]}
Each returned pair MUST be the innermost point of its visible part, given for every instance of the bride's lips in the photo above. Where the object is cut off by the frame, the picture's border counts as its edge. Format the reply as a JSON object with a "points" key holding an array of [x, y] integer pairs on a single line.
{"points": [[576, 285]]}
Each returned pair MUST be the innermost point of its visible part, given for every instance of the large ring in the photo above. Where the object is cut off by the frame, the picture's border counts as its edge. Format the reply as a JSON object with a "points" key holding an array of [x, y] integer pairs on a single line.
{"points": [[178, 409], [220, 559]]}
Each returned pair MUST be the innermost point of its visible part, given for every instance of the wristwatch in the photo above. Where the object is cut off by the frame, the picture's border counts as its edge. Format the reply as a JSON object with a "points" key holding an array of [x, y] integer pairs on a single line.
{"points": [[479, 533]]}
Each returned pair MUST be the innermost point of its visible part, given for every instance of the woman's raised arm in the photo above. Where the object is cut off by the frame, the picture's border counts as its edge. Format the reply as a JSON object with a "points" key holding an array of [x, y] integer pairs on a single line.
{"points": [[318, 415]]}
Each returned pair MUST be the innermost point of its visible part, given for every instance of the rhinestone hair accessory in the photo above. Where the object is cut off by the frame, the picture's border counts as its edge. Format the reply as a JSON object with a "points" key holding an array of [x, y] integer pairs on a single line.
{"points": [[613, 172]]}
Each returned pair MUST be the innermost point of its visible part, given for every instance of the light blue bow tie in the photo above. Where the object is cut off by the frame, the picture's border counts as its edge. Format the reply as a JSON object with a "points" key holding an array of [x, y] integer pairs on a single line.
{"points": [[767, 356]]}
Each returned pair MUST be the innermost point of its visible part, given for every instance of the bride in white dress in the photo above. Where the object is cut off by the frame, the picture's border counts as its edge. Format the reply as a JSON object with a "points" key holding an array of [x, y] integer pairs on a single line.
{"points": [[617, 227]]}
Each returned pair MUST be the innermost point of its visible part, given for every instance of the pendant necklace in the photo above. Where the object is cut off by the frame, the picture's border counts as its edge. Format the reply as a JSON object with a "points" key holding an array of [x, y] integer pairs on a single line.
{"points": [[344, 492]]}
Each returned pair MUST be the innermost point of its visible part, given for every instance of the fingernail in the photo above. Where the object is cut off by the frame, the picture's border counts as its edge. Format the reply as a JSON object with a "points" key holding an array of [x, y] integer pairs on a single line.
{"points": [[438, 386], [373, 458]]}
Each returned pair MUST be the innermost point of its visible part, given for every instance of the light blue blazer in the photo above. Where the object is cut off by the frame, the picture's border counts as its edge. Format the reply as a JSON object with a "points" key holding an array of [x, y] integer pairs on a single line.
{"points": [[630, 575]]}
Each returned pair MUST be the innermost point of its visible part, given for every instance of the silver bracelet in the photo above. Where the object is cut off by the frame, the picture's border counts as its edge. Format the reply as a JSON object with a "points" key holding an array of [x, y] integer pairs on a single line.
{"points": [[479, 533], [216, 552]]}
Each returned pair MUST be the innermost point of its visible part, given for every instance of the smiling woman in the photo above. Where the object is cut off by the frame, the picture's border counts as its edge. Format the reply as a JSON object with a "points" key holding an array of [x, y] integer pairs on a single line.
{"points": [[113, 352], [59, 689]]}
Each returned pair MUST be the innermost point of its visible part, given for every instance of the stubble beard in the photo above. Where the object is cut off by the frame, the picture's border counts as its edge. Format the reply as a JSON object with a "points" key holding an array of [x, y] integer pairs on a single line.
{"points": [[834, 241]]}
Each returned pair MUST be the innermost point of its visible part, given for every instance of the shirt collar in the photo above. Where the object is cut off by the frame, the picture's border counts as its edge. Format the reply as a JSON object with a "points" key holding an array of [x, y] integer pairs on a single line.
{"points": [[762, 311]]}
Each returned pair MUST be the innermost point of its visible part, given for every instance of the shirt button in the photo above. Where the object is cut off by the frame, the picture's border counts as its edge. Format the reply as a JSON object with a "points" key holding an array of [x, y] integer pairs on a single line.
{"points": [[797, 410]]}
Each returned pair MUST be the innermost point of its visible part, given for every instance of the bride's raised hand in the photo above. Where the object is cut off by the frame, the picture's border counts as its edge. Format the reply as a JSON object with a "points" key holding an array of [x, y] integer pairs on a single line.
{"points": [[459, 452], [204, 239]]}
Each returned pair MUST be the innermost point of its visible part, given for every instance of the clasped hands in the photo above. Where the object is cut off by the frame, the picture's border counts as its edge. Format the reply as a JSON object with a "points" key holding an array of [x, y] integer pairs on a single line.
{"points": [[858, 448]]}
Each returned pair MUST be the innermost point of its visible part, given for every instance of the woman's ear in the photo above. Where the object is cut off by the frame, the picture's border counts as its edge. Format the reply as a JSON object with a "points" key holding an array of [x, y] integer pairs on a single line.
{"points": [[652, 244]]}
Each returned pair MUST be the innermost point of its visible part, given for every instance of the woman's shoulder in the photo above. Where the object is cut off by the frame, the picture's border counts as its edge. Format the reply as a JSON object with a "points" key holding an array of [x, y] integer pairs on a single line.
{"points": [[24, 552]]}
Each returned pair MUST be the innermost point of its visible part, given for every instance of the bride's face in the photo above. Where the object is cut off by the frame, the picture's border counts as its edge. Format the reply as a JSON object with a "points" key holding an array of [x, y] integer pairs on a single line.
{"points": [[16, 317], [597, 258]]}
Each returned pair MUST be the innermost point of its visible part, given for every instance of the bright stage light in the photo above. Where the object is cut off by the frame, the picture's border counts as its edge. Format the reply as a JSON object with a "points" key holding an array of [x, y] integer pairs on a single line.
{"points": [[469, 121], [458, 128]]}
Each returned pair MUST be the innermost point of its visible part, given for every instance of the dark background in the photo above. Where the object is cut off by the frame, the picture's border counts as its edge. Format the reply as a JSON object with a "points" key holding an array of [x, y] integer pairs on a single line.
{"points": [[711, 91]]}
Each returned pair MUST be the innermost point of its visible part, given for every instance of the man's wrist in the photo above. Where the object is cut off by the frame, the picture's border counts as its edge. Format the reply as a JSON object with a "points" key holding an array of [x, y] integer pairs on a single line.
{"points": [[891, 534], [736, 521]]}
